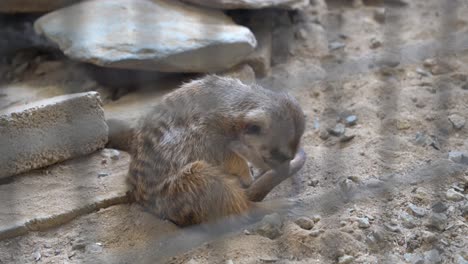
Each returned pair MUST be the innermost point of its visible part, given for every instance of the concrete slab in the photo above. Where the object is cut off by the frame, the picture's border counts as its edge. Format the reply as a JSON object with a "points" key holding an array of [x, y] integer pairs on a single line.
{"points": [[45, 132], [42, 199]]}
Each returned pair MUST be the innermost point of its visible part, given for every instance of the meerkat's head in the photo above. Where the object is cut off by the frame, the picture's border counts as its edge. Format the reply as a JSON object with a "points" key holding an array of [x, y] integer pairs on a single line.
{"points": [[270, 134]]}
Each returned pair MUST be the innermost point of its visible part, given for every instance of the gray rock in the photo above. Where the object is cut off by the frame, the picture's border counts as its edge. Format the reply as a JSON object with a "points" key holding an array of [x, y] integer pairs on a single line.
{"points": [[393, 227], [250, 4], [439, 207], [414, 258], [453, 195], [270, 226], [334, 45], [423, 72], [416, 210], [437, 221], [407, 220], [345, 259], [459, 157], [188, 39], [379, 15], [351, 120], [305, 223], [37, 256], [363, 222], [375, 43], [347, 136], [465, 86], [338, 130], [49, 131], [432, 256], [460, 260], [457, 121]]}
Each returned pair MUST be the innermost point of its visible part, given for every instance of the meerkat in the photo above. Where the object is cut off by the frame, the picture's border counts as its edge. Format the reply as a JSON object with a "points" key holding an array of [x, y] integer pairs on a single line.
{"points": [[191, 151]]}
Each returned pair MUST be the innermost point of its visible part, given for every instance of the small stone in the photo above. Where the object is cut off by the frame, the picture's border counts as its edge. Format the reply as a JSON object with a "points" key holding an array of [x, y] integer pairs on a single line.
{"points": [[375, 43], [429, 63], [460, 260], [347, 136], [313, 182], [363, 222], [437, 221], [440, 69], [351, 120], [102, 174], [414, 258], [229, 261], [420, 104], [37, 256], [315, 233], [338, 130], [305, 223], [345, 259], [393, 228], [301, 34], [79, 244], [316, 218], [407, 220], [334, 45], [270, 226], [343, 223], [432, 256], [403, 124], [423, 72], [458, 157], [465, 86], [417, 211], [94, 248], [453, 195], [354, 178], [379, 15], [457, 121], [439, 207], [323, 134], [428, 237], [247, 232]]}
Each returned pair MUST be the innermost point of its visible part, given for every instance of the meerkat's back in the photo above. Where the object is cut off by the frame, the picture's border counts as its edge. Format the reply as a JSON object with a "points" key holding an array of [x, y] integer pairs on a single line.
{"points": [[189, 161]]}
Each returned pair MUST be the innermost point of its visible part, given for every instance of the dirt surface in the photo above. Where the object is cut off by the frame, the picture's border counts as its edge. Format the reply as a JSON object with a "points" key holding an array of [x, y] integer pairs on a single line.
{"points": [[384, 192]]}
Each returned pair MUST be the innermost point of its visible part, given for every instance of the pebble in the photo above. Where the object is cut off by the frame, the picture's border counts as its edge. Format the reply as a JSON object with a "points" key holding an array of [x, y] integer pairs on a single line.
{"points": [[439, 207], [423, 72], [247, 232], [461, 260], [393, 228], [437, 221], [429, 63], [94, 248], [440, 69], [338, 130], [323, 134], [432, 256], [458, 157], [270, 226], [37, 256], [416, 210], [113, 154], [351, 120], [375, 43], [453, 195], [403, 124], [229, 261], [315, 233], [313, 182], [347, 136], [345, 259], [334, 45], [305, 223], [316, 218], [407, 220], [102, 174], [363, 222], [414, 258], [457, 121], [465, 86]]}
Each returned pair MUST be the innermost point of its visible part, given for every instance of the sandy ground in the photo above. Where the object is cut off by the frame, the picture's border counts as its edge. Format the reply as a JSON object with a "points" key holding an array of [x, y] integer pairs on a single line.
{"points": [[383, 193]]}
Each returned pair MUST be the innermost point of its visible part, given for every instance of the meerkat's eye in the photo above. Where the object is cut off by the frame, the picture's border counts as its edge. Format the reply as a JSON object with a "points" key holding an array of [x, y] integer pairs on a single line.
{"points": [[252, 129]]}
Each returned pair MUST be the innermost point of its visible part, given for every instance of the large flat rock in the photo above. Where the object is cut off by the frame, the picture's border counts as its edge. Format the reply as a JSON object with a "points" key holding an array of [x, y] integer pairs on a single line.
{"points": [[42, 199], [251, 4], [158, 35], [42, 133]]}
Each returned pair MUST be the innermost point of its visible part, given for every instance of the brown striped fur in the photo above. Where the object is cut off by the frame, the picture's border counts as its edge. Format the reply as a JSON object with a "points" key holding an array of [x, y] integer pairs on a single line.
{"points": [[190, 153]]}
